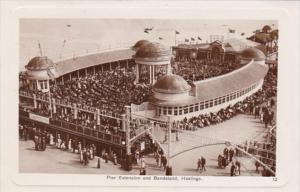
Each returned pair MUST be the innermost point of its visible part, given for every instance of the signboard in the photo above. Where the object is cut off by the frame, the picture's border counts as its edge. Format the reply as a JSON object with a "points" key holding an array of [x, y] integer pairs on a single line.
{"points": [[39, 118]]}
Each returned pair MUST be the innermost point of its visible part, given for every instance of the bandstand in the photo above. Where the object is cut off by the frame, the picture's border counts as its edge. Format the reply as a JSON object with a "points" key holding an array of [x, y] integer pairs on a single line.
{"points": [[152, 61]]}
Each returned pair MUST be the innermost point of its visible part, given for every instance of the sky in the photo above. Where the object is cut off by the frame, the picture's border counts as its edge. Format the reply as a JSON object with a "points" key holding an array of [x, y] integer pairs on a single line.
{"points": [[62, 38]]}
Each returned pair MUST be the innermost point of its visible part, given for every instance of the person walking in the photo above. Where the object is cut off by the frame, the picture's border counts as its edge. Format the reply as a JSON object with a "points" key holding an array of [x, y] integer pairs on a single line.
{"points": [[256, 166]]}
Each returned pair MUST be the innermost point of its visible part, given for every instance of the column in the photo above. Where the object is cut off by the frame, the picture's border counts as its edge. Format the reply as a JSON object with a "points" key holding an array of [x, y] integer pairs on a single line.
{"points": [[98, 117], [137, 73], [128, 159], [153, 73], [54, 105], [123, 117], [150, 74], [75, 111], [34, 101]]}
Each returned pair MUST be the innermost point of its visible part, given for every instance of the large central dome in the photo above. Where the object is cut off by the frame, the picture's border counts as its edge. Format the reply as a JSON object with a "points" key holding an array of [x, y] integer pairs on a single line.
{"points": [[171, 84], [140, 44], [153, 52]]}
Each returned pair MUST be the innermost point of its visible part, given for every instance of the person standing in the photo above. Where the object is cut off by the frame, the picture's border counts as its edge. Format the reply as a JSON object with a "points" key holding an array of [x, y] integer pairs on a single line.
{"points": [[232, 170], [224, 163], [203, 163], [81, 156], [21, 129], [115, 158], [220, 161], [231, 153], [70, 144], [199, 164], [52, 139], [238, 167], [106, 157], [256, 166]]}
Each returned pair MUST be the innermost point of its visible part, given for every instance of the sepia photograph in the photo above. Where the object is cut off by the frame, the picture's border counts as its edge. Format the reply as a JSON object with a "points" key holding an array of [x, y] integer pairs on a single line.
{"points": [[160, 97]]}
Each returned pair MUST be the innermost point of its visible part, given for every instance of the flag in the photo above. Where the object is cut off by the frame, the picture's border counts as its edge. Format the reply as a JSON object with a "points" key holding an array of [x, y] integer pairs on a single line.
{"points": [[177, 32], [192, 39], [146, 31], [231, 30], [186, 40], [242, 34], [160, 38], [199, 38]]}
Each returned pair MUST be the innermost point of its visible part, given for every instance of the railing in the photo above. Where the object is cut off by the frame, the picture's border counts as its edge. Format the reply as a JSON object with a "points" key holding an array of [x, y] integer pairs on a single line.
{"points": [[97, 134], [63, 103]]}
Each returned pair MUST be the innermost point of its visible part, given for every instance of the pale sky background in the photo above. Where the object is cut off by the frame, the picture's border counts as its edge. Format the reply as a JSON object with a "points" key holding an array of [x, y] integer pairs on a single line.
{"points": [[103, 34]]}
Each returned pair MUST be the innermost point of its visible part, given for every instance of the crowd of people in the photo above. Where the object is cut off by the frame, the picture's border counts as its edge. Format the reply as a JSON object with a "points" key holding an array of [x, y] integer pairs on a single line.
{"points": [[196, 70], [43, 139], [259, 104], [107, 90]]}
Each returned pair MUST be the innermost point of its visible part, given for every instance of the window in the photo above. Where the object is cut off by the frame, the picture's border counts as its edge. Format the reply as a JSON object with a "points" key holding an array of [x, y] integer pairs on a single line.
{"points": [[41, 84], [186, 109], [159, 111], [234, 96], [201, 105], [211, 103], [223, 99], [180, 111], [206, 104], [164, 110], [216, 101], [45, 84], [220, 100], [191, 108], [228, 99], [197, 107], [170, 110], [175, 110]]}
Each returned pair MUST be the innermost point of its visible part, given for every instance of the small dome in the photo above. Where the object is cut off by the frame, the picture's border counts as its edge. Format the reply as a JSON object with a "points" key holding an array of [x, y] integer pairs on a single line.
{"points": [[140, 44], [40, 63], [153, 51], [253, 53], [266, 29], [171, 84]]}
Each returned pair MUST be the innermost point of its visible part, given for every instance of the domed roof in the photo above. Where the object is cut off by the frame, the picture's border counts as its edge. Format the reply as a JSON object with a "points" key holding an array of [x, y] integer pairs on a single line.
{"points": [[40, 63], [153, 51], [266, 28], [140, 44], [253, 53], [171, 84]]}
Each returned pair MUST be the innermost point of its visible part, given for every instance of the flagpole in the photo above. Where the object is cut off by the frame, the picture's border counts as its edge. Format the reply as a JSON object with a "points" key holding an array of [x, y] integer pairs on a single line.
{"points": [[175, 38]]}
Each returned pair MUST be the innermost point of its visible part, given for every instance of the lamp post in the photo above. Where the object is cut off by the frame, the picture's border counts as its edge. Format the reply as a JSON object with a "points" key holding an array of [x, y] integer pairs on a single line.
{"points": [[169, 167]]}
